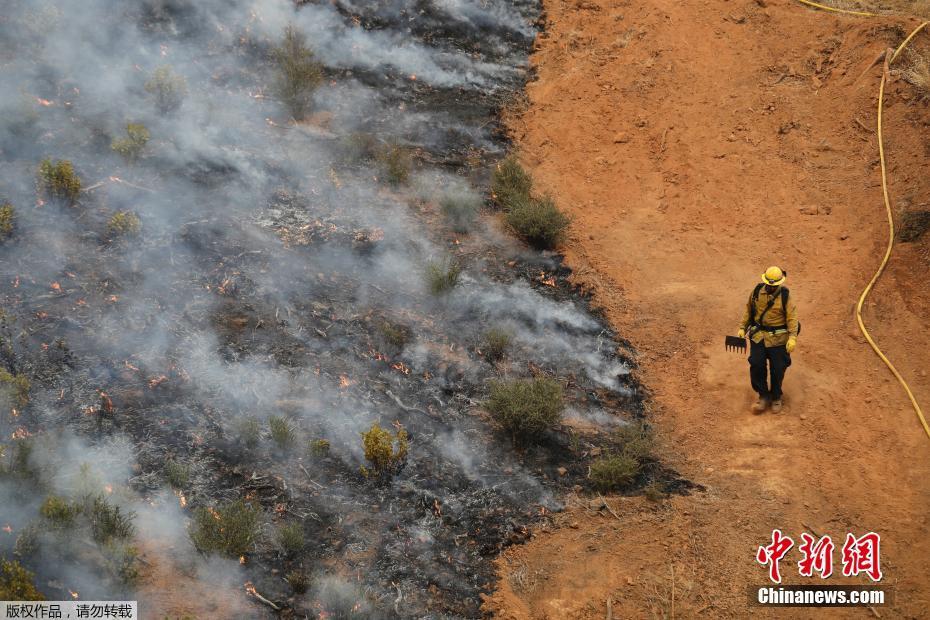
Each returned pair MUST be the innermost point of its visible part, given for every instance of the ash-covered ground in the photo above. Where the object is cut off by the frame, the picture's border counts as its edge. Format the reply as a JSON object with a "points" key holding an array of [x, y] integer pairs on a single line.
{"points": [[278, 274]]}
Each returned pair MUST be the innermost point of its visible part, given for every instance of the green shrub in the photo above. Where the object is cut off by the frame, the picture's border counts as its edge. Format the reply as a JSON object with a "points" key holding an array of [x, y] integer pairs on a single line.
{"points": [[297, 73], [442, 276], [230, 529], [385, 452], [291, 539], [613, 471], [109, 522], [58, 180], [619, 469], [496, 343], [396, 163], [177, 474], [526, 407], [59, 513], [249, 431], [282, 432], [510, 183], [167, 89], [319, 448], [298, 580], [538, 221], [7, 220], [131, 147], [122, 561], [394, 335], [123, 224], [15, 386], [27, 542], [17, 583], [460, 211]]}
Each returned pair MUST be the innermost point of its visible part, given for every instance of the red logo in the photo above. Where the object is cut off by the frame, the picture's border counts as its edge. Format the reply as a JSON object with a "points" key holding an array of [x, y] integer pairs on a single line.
{"points": [[817, 556], [773, 553], [860, 555]]}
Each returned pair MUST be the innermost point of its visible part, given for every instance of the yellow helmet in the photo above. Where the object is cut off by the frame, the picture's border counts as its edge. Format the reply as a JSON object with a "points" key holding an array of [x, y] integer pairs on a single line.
{"points": [[774, 276]]}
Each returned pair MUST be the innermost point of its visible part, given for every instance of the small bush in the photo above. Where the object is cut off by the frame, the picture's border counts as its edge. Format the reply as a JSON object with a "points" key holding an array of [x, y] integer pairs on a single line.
{"points": [[460, 211], [177, 474], [15, 386], [613, 471], [27, 542], [298, 580], [538, 221], [510, 183], [131, 147], [396, 163], [913, 225], [167, 89], [385, 452], [7, 220], [58, 180], [230, 529], [17, 583], [496, 343], [618, 470], [526, 407], [249, 431], [395, 336], [282, 432], [109, 522], [319, 448], [123, 224], [655, 492], [442, 276], [291, 539], [122, 561], [297, 73], [917, 72], [59, 513]]}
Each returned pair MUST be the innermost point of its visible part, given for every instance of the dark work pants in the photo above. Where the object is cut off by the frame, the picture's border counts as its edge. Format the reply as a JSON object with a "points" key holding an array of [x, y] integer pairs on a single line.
{"points": [[778, 361]]}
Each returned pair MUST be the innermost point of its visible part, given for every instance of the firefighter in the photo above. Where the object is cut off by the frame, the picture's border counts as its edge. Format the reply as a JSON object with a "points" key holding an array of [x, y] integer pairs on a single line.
{"points": [[770, 320]]}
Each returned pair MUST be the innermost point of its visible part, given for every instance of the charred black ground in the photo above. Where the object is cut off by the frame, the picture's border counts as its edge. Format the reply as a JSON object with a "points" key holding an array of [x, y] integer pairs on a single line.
{"points": [[271, 257]]}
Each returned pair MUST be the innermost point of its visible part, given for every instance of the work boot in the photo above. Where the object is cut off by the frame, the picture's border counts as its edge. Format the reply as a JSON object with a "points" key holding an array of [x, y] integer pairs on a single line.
{"points": [[776, 405], [760, 405]]}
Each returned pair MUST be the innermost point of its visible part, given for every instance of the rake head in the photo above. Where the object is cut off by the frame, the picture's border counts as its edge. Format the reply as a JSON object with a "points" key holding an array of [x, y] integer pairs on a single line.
{"points": [[735, 343]]}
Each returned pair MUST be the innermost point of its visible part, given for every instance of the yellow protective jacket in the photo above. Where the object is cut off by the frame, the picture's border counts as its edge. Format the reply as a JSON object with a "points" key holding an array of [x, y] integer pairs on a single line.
{"points": [[777, 316]]}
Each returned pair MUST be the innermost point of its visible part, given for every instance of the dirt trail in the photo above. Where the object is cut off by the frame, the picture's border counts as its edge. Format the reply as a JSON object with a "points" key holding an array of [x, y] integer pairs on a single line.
{"points": [[694, 144]]}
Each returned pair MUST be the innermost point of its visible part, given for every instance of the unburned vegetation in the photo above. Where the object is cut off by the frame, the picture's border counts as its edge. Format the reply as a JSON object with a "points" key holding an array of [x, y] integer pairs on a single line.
{"points": [[535, 219]]}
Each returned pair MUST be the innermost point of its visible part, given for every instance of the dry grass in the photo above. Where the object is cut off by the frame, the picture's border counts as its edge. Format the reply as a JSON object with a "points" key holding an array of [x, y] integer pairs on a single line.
{"points": [[917, 72]]}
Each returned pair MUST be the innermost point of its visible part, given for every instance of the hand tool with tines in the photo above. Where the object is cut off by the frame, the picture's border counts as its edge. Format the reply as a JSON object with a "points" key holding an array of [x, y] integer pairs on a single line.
{"points": [[735, 343]]}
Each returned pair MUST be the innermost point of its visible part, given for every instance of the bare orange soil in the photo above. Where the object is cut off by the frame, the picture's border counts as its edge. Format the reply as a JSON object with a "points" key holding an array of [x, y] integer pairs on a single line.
{"points": [[695, 143]]}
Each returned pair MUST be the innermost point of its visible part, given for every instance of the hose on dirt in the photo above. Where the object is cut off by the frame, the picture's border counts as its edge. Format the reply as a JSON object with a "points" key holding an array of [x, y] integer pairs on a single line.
{"points": [[890, 213]]}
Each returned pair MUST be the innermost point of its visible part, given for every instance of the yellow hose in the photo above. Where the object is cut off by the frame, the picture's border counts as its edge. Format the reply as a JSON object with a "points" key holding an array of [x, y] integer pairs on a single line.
{"points": [[833, 9], [881, 268], [881, 155]]}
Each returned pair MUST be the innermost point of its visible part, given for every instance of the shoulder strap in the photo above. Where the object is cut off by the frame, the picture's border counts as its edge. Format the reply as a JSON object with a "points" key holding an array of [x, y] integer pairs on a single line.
{"points": [[784, 300], [753, 297]]}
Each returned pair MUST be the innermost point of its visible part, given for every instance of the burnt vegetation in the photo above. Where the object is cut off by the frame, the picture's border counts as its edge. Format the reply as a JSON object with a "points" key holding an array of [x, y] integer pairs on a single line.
{"points": [[215, 327]]}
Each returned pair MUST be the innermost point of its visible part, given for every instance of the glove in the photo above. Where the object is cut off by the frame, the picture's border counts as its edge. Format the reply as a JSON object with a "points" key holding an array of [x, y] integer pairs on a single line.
{"points": [[741, 333], [792, 343]]}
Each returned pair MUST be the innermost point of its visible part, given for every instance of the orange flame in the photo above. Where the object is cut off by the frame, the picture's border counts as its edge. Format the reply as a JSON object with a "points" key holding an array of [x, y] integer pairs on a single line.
{"points": [[344, 382], [249, 587], [108, 488], [399, 366], [44, 102], [73, 594], [21, 433], [242, 559], [547, 280], [154, 383], [130, 366], [8, 529], [181, 499], [56, 287]]}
